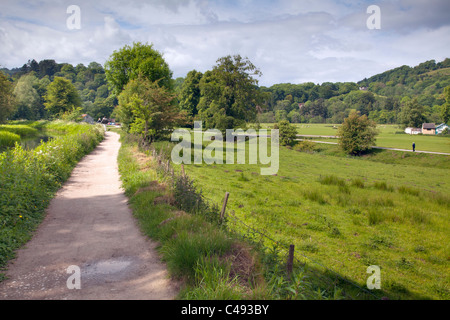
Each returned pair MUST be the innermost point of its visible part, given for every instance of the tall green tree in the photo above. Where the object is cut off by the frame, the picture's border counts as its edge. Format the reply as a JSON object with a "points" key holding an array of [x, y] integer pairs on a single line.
{"points": [[357, 134], [131, 61], [189, 95], [146, 108], [7, 99], [445, 113], [412, 114], [61, 97], [229, 93], [28, 101]]}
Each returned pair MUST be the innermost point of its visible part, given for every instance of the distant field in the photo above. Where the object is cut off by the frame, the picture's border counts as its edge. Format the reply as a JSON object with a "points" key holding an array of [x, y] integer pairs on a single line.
{"points": [[390, 136], [347, 214]]}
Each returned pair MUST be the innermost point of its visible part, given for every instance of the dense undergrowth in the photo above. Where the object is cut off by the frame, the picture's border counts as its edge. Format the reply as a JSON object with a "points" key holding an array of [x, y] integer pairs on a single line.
{"points": [[30, 178]]}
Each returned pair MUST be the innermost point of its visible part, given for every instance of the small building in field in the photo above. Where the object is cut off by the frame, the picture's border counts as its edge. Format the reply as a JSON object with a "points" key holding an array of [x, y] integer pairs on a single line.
{"points": [[413, 130], [440, 128], [428, 128]]}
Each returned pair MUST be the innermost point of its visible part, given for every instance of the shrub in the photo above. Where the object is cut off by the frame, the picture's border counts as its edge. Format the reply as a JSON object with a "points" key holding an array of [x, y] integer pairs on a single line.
{"points": [[288, 133], [357, 134], [306, 146]]}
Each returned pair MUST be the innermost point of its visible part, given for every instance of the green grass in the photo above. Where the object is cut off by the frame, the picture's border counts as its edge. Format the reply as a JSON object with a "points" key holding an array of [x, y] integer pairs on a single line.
{"points": [[348, 213], [19, 129], [194, 249], [390, 136], [8, 139]]}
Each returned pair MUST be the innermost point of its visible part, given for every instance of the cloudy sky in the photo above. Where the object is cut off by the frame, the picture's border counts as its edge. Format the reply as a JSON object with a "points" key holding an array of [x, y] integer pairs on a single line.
{"points": [[292, 41]]}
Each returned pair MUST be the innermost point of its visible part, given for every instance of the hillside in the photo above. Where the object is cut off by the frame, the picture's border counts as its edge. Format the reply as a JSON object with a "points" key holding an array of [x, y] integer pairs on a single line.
{"points": [[381, 97]]}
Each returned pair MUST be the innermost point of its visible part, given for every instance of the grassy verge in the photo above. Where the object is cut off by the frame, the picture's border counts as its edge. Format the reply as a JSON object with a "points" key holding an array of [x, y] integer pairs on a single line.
{"points": [[344, 214], [197, 250], [29, 180]]}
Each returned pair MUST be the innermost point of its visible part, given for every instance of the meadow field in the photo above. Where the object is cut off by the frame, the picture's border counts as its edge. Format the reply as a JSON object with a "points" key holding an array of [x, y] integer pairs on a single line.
{"points": [[344, 214], [390, 136]]}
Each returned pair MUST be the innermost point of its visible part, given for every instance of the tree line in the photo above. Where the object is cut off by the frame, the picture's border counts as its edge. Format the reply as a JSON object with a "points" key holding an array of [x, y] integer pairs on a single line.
{"points": [[35, 89], [136, 86]]}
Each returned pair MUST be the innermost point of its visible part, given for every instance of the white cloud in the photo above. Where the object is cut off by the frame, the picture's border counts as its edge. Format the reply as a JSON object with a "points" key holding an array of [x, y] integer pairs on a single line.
{"points": [[289, 40]]}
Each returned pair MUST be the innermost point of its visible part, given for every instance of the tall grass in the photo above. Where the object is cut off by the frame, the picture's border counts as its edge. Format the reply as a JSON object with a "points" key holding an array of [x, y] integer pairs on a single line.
{"points": [[20, 129], [8, 139], [29, 179]]}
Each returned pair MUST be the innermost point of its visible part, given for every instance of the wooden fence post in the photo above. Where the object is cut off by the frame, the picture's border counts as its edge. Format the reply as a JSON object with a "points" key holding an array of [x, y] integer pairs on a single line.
{"points": [[290, 261], [182, 170], [222, 212]]}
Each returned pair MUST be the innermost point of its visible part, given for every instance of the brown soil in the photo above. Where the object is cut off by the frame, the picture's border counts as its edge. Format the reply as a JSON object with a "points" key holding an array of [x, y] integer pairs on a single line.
{"points": [[89, 225]]}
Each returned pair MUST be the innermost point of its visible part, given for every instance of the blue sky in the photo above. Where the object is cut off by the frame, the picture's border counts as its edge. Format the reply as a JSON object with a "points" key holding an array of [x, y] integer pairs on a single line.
{"points": [[292, 41]]}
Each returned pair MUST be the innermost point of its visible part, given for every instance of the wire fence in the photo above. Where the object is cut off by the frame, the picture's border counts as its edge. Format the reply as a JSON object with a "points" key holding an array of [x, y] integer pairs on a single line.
{"points": [[325, 275]]}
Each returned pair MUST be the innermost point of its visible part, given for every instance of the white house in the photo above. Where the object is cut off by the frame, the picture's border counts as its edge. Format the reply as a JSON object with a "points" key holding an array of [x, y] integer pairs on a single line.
{"points": [[441, 128], [413, 130]]}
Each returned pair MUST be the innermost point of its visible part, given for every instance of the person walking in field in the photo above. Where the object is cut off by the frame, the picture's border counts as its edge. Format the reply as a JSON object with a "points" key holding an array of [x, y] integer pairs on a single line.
{"points": [[414, 147]]}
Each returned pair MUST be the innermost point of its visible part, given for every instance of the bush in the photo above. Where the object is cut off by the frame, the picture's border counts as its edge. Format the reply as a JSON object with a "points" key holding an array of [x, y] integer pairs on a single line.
{"points": [[288, 133], [357, 134], [306, 146]]}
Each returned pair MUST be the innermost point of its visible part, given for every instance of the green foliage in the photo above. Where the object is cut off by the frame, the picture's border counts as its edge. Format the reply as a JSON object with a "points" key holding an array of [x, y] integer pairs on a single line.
{"points": [[146, 108], [20, 129], [287, 133], [357, 134], [29, 179], [229, 94], [412, 114], [61, 97], [8, 139], [446, 106], [28, 101], [189, 96], [6, 98], [129, 63]]}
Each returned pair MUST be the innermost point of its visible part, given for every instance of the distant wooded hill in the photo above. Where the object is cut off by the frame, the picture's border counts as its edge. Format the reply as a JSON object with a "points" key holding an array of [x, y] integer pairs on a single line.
{"points": [[382, 97]]}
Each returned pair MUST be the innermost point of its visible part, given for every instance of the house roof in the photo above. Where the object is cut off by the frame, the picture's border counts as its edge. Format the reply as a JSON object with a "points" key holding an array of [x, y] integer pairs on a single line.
{"points": [[442, 125], [428, 126]]}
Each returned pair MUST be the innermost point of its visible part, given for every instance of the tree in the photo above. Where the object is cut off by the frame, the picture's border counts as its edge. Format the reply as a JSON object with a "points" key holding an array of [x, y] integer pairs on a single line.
{"points": [[229, 93], [27, 98], [445, 113], [412, 114], [130, 62], [287, 133], [146, 108], [189, 96], [357, 134], [61, 97], [6, 98]]}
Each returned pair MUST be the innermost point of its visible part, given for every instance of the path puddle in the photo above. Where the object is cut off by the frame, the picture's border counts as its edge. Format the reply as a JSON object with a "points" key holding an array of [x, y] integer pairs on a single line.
{"points": [[107, 270]]}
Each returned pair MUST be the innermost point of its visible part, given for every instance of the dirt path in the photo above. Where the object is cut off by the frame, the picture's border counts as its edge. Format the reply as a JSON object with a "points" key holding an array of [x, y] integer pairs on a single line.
{"points": [[89, 225]]}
